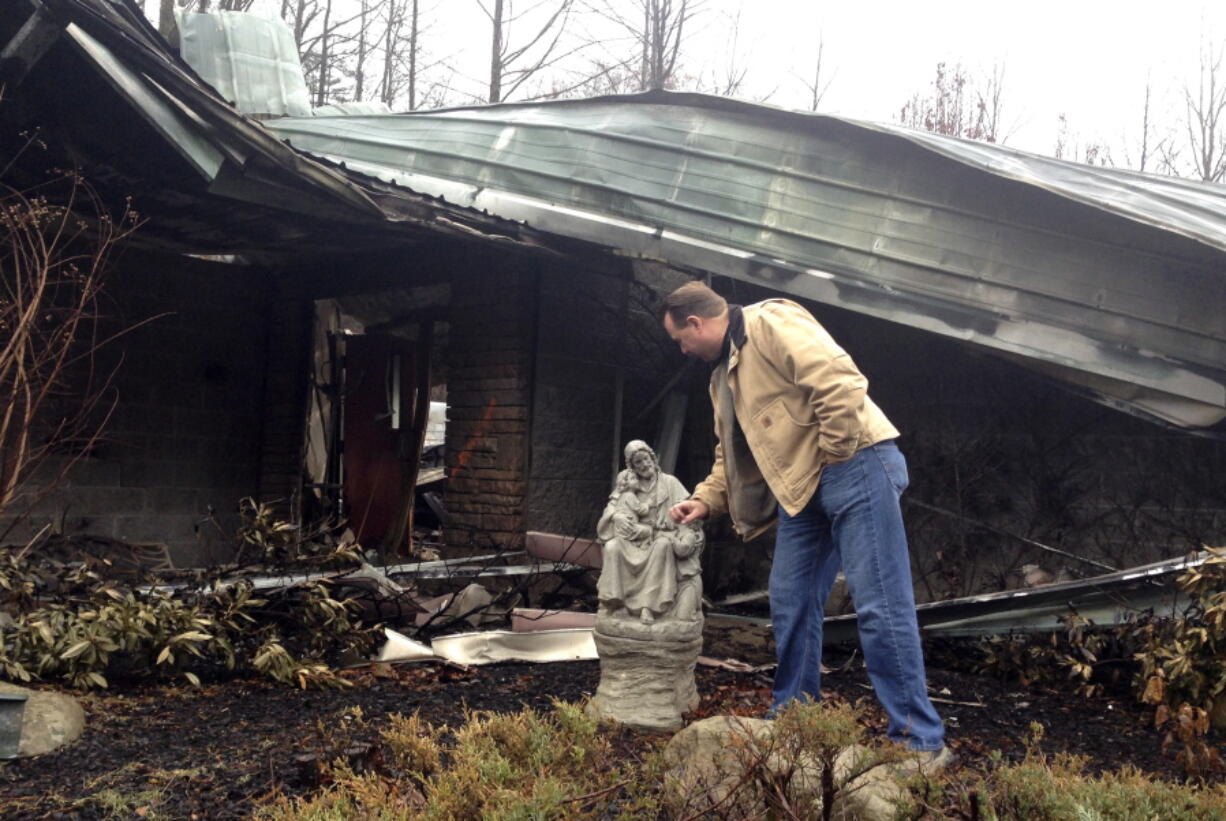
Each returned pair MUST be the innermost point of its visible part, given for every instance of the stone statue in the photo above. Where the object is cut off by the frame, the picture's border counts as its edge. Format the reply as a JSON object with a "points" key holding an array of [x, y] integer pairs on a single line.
{"points": [[649, 622]]}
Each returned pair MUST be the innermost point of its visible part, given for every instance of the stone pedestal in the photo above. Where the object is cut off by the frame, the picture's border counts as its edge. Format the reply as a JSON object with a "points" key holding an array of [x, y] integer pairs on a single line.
{"points": [[646, 672]]}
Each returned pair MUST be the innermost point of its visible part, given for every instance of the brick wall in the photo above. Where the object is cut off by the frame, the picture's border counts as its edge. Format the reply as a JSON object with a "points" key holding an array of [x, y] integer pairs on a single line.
{"points": [[185, 435], [490, 342]]}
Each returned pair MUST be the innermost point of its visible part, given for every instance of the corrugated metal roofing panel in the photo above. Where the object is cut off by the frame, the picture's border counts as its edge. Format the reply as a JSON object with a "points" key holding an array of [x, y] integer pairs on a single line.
{"points": [[251, 61], [1111, 280]]}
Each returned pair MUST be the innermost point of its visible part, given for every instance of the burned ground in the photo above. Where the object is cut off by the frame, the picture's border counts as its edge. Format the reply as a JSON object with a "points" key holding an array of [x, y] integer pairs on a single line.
{"points": [[180, 752]]}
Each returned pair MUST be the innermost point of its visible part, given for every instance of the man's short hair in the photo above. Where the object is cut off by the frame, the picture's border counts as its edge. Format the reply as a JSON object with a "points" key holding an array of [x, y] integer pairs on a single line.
{"points": [[692, 299]]}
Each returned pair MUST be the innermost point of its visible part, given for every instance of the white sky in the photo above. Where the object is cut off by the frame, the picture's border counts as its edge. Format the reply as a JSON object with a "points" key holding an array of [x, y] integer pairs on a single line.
{"points": [[1087, 59]]}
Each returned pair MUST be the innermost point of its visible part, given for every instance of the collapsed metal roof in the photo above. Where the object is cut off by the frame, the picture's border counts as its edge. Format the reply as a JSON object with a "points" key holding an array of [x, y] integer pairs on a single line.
{"points": [[1111, 281]]}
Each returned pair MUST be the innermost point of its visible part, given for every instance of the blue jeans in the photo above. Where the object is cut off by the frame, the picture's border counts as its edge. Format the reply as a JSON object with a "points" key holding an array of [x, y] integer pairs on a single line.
{"points": [[853, 519]]}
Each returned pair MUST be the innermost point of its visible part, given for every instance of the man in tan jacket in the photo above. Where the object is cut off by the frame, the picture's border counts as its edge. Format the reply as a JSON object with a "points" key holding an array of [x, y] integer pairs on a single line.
{"points": [[802, 444]]}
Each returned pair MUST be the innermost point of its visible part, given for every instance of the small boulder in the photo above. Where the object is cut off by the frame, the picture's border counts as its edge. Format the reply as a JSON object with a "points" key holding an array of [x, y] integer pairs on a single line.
{"points": [[51, 720], [708, 759]]}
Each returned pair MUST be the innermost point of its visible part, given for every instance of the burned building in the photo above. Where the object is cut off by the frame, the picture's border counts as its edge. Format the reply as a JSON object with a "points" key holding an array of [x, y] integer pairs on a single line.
{"points": [[1048, 336]]}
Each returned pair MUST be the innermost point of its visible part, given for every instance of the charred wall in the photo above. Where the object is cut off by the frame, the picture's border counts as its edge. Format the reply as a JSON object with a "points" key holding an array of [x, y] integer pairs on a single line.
{"points": [[185, 435]]}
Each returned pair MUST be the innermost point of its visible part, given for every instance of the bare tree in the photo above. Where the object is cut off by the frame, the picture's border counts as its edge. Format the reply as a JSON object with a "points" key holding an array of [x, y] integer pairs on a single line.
{"points": [[727, 79], [363, 49], [321, 37], [821, 83], [512, 66], [325, 66], [1070, 147], [406, 68], [990, 106], [299, 14], [943, 110], [1154, 149], [954, 107], [166, 21], [655, 30], [1203, 111]]}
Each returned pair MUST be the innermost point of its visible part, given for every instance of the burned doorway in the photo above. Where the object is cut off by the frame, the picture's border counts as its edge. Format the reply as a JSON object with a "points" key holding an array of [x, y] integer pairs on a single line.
{"points": [[376, 421]]}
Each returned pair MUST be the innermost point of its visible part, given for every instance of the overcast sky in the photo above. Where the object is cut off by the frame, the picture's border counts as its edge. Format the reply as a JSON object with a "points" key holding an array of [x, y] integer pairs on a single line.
{"points": [[1087, 59]]}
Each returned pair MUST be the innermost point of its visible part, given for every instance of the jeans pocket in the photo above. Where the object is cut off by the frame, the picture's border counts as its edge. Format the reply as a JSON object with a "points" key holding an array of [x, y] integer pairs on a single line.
{"points": [[895, 466]]}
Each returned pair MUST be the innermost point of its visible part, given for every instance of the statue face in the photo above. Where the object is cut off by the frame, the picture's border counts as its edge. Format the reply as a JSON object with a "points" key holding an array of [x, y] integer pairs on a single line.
{"points": [[643, 465]]}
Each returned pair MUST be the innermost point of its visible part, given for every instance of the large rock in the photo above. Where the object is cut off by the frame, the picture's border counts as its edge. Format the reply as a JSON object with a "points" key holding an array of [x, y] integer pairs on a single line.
{"points": [[708, 760], [51, 720], [646, 682]]}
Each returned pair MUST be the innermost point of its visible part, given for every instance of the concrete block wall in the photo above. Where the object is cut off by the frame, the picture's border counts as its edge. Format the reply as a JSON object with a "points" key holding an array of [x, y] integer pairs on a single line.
{"points": [[492, 326], [288, 327], [185, 434]]}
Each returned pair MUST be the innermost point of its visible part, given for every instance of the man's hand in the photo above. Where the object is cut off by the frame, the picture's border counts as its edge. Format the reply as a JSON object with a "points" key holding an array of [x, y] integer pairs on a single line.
{"points": [[691, 510]]}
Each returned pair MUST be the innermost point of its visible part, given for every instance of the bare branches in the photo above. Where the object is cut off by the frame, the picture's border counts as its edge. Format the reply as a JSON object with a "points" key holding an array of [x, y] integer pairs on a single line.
{"points": [[821, 84], [654, 31], [54, 401], [956, 107], [1204, 108], [727, 79], [511, 67]]}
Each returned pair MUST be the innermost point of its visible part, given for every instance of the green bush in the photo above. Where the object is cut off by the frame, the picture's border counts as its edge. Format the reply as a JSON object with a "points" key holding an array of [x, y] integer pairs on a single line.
{"points": [[1057, 788], [500, 767], [71, 623]]}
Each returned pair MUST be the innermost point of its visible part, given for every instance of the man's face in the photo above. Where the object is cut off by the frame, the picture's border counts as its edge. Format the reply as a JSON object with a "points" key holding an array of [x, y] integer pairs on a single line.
{"points": [[697, 337]]}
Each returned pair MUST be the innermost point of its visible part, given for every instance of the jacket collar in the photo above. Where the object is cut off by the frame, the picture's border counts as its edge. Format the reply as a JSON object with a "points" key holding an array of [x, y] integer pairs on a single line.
{"points": [[734, 337]]}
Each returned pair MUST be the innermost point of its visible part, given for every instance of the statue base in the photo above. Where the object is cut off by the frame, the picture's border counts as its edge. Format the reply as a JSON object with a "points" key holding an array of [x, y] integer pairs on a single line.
{"points": [[646, 672]]}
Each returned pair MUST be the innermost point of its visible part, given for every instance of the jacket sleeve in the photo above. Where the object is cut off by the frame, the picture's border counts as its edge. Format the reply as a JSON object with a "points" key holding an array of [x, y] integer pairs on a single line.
{"points": [[713, 491], [807, 355]]}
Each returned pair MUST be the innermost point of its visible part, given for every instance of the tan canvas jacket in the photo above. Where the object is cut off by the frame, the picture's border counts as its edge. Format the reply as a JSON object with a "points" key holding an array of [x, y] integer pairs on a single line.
{"points": [[802, 404]]}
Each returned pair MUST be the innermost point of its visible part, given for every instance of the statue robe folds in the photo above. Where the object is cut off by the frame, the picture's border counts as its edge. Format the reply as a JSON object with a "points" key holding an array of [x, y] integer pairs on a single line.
{"points": [[643, 573]]}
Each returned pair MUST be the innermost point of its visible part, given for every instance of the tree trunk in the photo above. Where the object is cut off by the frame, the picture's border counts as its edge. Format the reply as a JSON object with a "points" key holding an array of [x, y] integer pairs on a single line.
{"points": [[166, 22], [321, 93], [359, 85], [496, 55], [413, 56]]}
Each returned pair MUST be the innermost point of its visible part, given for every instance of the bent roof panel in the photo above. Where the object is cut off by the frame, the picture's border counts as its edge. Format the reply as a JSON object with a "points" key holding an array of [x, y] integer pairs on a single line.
{"points": [[1112, 280]]}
